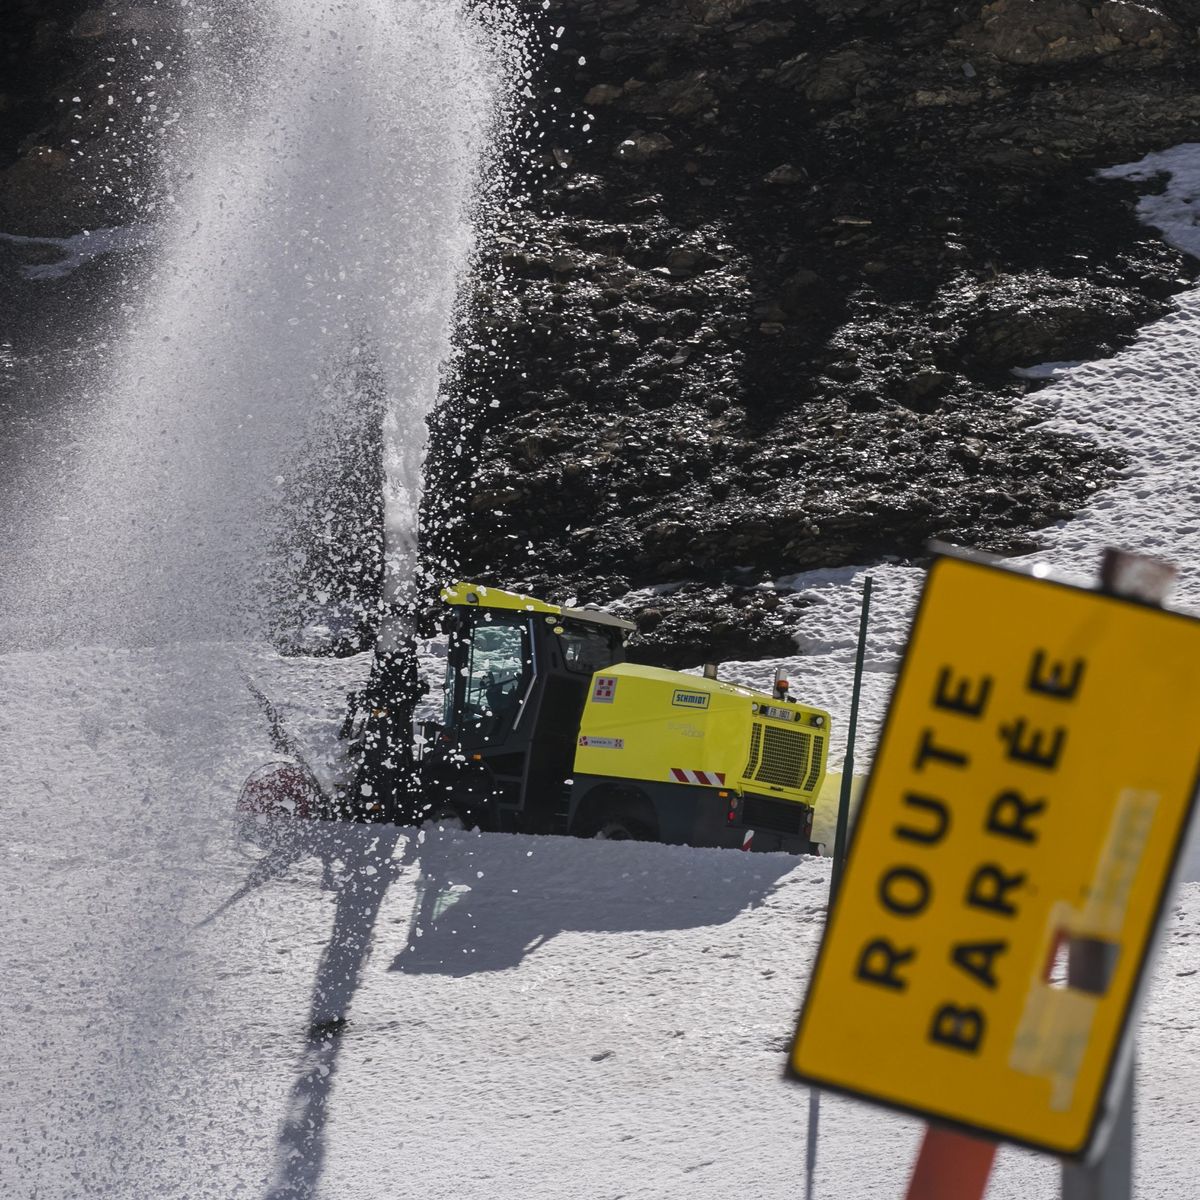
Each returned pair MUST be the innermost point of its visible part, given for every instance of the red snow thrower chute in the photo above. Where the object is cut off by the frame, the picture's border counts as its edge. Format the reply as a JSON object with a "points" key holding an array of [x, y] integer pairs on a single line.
{"points": [[280, 789]]}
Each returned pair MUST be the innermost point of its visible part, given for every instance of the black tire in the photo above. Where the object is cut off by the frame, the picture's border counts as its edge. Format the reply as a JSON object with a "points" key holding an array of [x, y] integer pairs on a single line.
{"points": [[620, 828], [618, 817], [445, 817]]}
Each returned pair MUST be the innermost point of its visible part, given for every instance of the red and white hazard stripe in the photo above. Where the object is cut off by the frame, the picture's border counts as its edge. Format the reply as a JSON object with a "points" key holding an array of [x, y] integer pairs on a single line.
{"points": [[748, 840], [704, 778]]}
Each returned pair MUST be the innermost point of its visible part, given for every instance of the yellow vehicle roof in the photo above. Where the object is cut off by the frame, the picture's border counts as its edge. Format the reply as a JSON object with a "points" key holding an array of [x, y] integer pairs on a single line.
{"points": [[476, 595]]}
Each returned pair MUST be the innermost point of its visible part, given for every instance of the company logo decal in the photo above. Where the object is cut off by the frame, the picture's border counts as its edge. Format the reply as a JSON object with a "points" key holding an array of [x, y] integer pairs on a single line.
{"points": [[601, 743]]}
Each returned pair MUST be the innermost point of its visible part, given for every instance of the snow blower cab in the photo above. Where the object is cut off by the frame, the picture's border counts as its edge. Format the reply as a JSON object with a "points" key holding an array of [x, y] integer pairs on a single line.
{"points": [[547, 729]]}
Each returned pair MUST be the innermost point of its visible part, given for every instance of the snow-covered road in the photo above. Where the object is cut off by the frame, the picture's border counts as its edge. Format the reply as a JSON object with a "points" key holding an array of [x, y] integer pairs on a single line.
{"points": [[536, 1017]]}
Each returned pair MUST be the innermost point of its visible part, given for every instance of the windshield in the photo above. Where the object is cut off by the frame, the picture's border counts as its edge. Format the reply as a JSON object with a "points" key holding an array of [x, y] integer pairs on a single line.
{"points": [[487, 677]]}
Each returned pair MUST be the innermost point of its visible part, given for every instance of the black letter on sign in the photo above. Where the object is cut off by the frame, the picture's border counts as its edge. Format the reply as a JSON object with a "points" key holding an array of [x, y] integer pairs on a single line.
{"points": [[1008, 814], [893, 897], [958, 1028], [989, 888], [961, 700], [1055, 682], [979, 959], [878, 962], [928, 750], [941, 820], [1031, 750]]}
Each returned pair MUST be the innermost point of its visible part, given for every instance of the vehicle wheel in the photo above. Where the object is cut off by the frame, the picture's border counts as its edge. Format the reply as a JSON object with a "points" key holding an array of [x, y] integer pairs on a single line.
{"points": [[616, 816], [444, 818], [622, 827], [617, 830]]}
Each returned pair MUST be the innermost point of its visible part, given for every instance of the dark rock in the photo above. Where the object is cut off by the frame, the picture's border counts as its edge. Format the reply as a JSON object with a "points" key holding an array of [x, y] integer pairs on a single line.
{"points": [[602, 93], [784, 175], [1047, 32], [694, 624], [801, 290], [1034, 318], [682, 97], [836, 76], [644, 147], [76, 149]]}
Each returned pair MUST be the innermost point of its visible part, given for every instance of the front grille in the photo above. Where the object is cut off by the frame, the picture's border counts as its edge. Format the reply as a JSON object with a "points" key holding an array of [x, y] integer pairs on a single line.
{"points": [[814, 769], [755, 747], [780, 816], [785, 757], [789, 758]]}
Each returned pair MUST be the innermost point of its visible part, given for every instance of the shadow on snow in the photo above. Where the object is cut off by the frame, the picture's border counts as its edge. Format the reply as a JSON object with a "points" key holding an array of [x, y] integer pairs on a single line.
{"points": [[483, 903]]}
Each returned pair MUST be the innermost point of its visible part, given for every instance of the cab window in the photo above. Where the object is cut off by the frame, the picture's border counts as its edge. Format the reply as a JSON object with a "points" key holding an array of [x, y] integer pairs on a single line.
{"points": [[587, 649], [495, 673]]}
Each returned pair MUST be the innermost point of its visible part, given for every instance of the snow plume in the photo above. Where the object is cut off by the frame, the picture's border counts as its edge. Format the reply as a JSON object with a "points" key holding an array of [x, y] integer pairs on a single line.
{"points": [[320, 196]]}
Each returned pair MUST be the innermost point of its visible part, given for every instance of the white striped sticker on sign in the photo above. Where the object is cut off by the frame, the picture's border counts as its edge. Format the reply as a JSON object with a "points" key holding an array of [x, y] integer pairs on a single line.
{"points": [[704, 778]]}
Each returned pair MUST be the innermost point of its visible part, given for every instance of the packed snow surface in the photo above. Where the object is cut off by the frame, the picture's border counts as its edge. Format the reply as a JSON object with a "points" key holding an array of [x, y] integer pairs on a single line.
{"points": [[198, 1008], [525, 1017]]}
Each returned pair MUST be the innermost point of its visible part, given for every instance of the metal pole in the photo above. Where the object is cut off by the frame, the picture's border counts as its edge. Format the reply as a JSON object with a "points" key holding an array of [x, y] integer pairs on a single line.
{"points": [[839, 853], [1110, 1177], [814, 1128], [843, 815]]}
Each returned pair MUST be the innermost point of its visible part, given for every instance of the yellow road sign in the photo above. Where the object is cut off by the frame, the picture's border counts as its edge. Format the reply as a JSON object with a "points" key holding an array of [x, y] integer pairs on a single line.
{"points": [[1033, 784]]}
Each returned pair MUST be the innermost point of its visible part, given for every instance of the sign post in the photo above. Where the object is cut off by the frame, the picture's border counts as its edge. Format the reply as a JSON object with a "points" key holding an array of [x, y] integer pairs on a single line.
{"points": [[1030, 796], [951, 1166], [843, 813], [839, 855]]}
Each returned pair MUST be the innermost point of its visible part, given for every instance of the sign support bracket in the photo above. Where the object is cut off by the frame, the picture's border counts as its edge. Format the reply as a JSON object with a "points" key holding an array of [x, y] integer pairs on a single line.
{"points": [[1111, 1177]]}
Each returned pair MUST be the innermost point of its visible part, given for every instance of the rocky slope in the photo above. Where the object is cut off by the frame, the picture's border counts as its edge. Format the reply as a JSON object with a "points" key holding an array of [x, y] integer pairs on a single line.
{"points": [[86, 99], [751, 301], [758, 309]]}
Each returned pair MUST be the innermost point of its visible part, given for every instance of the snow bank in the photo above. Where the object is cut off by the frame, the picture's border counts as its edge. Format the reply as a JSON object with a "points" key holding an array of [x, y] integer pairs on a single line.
{"points": [[333, 1011]]}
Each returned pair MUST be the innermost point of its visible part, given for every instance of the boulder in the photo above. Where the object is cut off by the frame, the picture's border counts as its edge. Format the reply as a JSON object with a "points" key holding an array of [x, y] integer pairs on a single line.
{"points": [[785, 175], [1044, 32], [644, 147], [603, 93]]}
